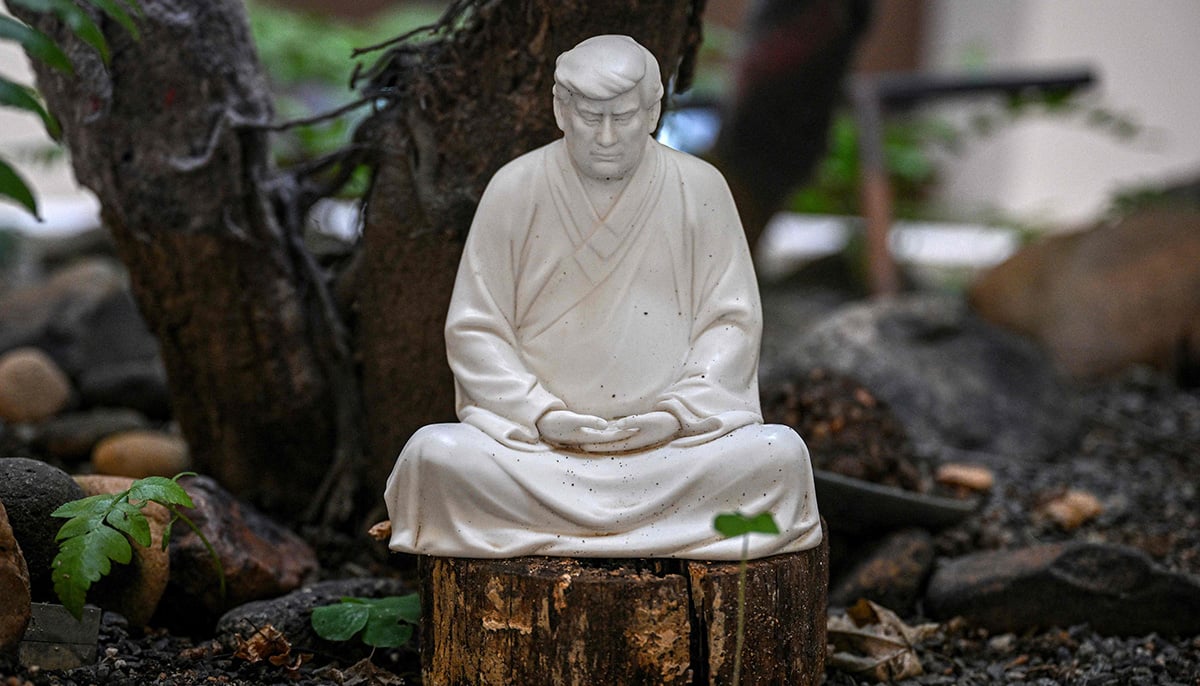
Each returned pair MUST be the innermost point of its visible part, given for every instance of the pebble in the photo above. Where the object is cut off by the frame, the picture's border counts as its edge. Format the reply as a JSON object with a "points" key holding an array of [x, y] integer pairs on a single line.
{"points": [[14, 586], [1072, 509], [32, 386], [72, 436], [31, 490], [141, 453], [969, 477]]}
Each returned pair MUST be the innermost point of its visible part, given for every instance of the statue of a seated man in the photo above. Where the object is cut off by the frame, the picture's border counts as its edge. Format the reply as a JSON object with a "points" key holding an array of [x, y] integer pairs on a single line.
{"points": [[604, 334]]}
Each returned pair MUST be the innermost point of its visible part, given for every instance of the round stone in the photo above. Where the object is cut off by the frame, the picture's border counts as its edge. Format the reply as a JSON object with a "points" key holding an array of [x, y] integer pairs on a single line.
{"points": [[32, 386], [31, 490], [138, 454], [14, 587]]}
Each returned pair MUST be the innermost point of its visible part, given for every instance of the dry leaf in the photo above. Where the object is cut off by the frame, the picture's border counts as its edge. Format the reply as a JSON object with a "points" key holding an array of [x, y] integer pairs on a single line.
{"points": [[872, 641], [267, 642]]}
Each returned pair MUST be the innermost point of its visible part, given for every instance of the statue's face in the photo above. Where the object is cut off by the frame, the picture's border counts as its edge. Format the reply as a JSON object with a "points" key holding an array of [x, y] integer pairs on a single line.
{"points": [[606, 138]]}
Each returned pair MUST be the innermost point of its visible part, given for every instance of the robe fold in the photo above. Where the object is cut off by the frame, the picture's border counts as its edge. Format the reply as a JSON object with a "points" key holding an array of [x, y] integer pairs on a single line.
{"points": [[651, 307]]}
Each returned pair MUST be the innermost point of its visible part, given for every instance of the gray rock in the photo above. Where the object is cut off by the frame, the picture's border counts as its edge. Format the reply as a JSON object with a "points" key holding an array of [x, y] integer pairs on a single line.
{"points": [[1116, 589], [139, 384], [72, 436], [261, 558], [83, 316], [956, 382], [291, 614], [891, 573], [31, 490], [111, 333], [35, 315]]}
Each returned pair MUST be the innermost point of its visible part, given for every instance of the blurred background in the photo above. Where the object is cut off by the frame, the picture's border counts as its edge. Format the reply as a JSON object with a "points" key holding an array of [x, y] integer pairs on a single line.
{"points": [[991, 169]]}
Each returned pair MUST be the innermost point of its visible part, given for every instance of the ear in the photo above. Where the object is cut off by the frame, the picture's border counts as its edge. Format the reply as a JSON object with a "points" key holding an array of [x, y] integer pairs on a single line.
{"points": [[559, 115], [652, 117]]}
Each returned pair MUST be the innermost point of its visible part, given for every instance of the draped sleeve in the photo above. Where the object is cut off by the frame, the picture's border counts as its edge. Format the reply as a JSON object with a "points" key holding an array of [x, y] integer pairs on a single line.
{"points": [[718, 389], [495, 390]]}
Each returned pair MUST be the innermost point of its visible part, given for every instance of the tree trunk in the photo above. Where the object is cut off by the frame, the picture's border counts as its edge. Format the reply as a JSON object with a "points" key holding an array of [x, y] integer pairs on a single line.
{"points": [[787, 85], [171, 138], [457, 113], [572, 621]]}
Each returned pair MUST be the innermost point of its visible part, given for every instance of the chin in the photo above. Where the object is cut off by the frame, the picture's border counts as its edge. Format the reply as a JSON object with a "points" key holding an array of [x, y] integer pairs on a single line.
{"points": [[609, 170]]}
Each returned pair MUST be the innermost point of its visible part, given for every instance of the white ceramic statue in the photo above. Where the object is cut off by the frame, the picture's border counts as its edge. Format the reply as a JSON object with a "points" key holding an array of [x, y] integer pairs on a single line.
{"points": [[604, 335]]}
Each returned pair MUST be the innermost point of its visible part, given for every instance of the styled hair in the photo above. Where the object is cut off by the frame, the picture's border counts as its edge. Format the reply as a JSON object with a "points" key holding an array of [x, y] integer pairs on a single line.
{"points": [[603, 67]]}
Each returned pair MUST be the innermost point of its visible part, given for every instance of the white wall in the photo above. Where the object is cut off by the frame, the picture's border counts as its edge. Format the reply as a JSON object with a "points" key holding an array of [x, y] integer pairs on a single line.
{"points": [[1146, 55]]}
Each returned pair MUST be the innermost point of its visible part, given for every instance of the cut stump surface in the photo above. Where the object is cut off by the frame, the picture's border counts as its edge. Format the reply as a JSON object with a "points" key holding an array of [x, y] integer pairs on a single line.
{"points": [[542, 620]]}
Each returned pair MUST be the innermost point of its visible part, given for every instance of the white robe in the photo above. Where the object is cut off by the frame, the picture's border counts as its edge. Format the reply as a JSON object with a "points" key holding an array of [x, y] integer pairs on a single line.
{"points": [[652, 307]]}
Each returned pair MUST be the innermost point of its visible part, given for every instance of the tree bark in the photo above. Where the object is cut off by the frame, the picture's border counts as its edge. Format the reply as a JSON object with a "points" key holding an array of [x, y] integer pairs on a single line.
{"points": [[171, 139], [787, 85], [457, 113], [571, 621]]}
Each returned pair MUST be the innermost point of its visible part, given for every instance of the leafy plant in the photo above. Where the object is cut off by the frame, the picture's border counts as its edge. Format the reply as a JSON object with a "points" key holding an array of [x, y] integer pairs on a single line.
{"points": [[384, 622], [732, 524], [98, 530], [42, 48], [308, 58], [915, 146]]}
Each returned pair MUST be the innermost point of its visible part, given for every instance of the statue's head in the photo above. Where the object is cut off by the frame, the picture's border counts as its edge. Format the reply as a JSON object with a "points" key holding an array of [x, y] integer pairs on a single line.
{"points": [[607, 93]]}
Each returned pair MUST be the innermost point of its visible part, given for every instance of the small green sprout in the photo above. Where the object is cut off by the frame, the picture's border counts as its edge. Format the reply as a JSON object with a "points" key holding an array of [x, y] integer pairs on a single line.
{"points": [[733, 524], [730, 524], [384, 622], [98, 530]]}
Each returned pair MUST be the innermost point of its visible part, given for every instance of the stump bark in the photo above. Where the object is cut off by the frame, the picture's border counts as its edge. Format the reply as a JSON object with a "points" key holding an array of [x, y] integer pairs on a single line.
{"points": [[540, 620]]}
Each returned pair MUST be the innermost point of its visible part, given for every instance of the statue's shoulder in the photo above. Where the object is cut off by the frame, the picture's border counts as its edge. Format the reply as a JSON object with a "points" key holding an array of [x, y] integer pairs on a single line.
{"points": [[519, 172], [693, 170]]}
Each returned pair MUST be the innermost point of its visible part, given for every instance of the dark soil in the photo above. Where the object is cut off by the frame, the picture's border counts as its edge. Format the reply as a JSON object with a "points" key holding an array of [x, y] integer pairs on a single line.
{"points": [[1139, 453]]}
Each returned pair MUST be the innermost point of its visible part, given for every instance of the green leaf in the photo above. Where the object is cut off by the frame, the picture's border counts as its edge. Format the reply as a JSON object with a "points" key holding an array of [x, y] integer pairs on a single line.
{"points": [[386, 632], [341, 621], [117, 11], [78, 526], [385, 622], [12, 186], [35, 43], [732, 524], [166, 538], [75, 18], [82, 560], [406, 608], [130, 520], [161, 490], [24, 97], [98, 504], [95, 533]]}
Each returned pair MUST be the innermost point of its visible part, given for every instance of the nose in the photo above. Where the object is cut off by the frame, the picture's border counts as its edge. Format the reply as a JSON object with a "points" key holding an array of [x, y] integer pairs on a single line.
{"points": [[606, 135]]}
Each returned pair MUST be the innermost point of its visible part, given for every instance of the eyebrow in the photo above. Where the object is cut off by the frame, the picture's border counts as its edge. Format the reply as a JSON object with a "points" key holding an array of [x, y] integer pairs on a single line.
{"points": [[599, 113]]}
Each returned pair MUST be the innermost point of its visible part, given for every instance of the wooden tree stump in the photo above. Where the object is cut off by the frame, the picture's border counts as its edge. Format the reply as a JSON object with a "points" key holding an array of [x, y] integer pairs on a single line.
{"points": [[542, 620]]}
